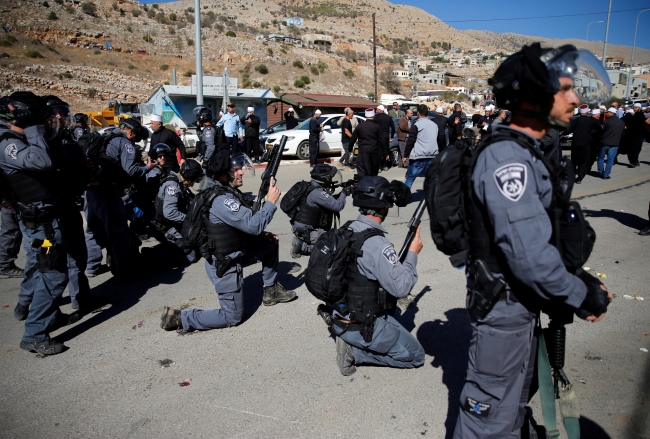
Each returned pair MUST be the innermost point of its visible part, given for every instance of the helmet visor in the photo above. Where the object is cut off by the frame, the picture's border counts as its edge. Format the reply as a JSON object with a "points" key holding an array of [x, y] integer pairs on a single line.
{"points": [[337, 179], [591, 81], [244, 163], [198, 109]]}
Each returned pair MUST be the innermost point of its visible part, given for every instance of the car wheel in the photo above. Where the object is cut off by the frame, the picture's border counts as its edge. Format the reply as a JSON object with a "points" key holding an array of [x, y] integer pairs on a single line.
{"points": [[303, 150], [395, 156]]}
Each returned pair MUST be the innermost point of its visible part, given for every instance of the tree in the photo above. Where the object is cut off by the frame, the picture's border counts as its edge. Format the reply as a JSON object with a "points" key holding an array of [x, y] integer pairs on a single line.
{"points": [[298, 63], [298, 83], [305, 79], [231, 33], [52, 16], [276, 88], [262, 69], [389, 81], [89, 9]]}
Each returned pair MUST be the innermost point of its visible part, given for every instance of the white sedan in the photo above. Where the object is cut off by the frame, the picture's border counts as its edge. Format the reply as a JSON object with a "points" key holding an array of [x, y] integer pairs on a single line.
{"points": [[298, 137]]}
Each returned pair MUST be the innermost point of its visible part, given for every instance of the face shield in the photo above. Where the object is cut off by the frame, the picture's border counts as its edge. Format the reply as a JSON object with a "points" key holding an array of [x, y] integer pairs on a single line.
{"points": [[337, 179], [241, 162], [591, 81]]}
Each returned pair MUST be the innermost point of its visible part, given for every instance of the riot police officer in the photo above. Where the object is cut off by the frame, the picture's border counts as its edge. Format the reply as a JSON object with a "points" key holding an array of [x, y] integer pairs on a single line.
{"points": [[366, 332], [172, 201], [236, 239], [317, 209], [516, 271], [28, 169], [80, 125], [208, 134]]}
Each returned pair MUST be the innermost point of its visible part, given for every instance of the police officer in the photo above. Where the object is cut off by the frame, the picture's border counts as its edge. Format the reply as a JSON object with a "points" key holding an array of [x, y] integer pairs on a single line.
{"points": [[172, 201], [10, 236], [27, 167], [80, 125], [106, 218], [208, 134], [512, 188], [366, 332], [317, 209], [236, 239]]}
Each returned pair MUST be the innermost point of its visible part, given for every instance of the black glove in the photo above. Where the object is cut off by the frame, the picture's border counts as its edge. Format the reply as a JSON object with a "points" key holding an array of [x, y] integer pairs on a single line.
{"points": [[347, 190], [596, 300]]}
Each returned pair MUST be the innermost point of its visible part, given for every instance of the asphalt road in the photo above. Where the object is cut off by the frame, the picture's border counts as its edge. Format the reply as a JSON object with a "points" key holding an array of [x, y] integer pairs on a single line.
{"points": [[275, 375]]}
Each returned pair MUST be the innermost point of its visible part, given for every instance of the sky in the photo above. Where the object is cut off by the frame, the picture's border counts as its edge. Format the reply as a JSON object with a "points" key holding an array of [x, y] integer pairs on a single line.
{"points": [[506, 16]]}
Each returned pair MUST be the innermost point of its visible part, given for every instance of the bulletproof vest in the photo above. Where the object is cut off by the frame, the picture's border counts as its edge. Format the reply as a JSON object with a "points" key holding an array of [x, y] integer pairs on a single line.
{"points": [[28, 186], [222, 238], [159, 202], [314, 216], [363, 295]]}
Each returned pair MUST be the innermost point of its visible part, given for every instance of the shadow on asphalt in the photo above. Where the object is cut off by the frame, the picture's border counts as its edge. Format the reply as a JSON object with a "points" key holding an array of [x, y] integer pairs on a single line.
{"points": [[589, 429], [627, 219], [448, 343]]}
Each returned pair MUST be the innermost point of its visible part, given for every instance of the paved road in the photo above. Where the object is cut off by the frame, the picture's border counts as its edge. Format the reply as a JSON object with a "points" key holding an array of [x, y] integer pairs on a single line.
{"points": [[275, 375]]}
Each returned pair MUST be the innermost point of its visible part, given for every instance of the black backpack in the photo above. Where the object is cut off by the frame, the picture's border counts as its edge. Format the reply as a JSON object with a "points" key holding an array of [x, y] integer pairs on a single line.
{"points": [[193, 230], [334, 249], [94, 144], [294, 197]]}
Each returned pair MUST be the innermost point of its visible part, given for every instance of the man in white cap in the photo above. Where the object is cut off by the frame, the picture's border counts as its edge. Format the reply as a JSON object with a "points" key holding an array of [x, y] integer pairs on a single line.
{"points": [[613, 130], [586, 131], [635, 129], [290, 117], [315, 129], [388, 128], [370, 136], [169, 138], [252, 134], [441, 121]]}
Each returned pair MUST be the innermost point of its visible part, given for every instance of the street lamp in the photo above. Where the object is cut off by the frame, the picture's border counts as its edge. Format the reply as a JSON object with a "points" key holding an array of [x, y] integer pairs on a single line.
{"points": [[587, 42], [629, 80]]}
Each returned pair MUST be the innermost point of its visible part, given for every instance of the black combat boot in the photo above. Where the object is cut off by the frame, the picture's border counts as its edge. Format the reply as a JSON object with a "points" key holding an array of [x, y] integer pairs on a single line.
{"points": [[296, 247], [345, 357], [170, 319], [276, 294], [47, 347]]}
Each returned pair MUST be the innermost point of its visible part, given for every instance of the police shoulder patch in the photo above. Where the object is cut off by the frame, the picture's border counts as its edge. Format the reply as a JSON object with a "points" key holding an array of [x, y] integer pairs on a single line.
{"points": [[477, 408], [511, 180], [207, 133], [390, 254], [171, 190], [129, 148], [324, 193], [11, 151], [232, 204]]}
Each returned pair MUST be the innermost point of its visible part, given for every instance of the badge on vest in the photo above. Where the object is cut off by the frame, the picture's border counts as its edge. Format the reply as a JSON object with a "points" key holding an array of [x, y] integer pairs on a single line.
{"points": [[232, 204], [511, 180], [129, 148], [480, 409], [208, 133], [11, 151], [171, 190], [390, 254]]}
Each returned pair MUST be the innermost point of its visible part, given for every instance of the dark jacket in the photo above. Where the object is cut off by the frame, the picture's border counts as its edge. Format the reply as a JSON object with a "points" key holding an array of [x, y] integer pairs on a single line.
{"points": [[613, 131], [550, 144], [455, 129], [635, 123], [169, 138], [369, 136], [314, 128], [251, 129], [586, 131], [292, 122], [441, 121], [386, 124]]}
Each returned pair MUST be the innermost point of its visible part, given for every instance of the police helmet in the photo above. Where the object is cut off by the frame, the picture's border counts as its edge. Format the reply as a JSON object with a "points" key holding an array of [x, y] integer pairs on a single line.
{"points": [[376, 192], [28, 109], [191, 170], [141, 133], [240, 161], [159, 150], [205, 115], [81, 118], [326, 175], [223, 162]]}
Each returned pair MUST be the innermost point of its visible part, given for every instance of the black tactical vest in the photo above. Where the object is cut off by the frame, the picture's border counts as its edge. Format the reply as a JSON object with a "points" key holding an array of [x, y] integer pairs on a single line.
{"points": [[314, 216], [158, 204], [222, 238]]}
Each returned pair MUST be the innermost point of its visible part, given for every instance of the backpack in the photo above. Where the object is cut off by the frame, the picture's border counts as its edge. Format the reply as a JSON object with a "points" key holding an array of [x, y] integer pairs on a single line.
{"points": [[325, 276], [294, 197], [193, 230], [94, 144]]}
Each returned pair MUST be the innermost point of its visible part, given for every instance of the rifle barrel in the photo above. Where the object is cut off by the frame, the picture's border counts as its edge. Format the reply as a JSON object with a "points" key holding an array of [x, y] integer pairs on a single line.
{"points": [[270, 172], [414, 223]]}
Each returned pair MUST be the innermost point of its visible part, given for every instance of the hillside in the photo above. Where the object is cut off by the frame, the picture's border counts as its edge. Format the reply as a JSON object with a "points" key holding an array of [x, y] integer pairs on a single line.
{"points": [[44, 49]]}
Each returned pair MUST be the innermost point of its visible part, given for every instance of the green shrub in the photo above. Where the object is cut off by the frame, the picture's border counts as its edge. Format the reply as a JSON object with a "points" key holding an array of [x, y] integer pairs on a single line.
{"points": [[4, 55], [89, 9], [64, 59], [314, 70], [190, 10], [262, 69], [92, 93], [52, 16], [69, 9], [276, 88], [147, 38], [97, 52], [298, 83], [321, 66], [46, 4], [189, 73], [135, 13], [131, 67], [231, 33], [349, 73], [58, 2], [305, 79], [283, 51], [8, 41], [122, 12], [164, 67], [298, 63], [269, 51], [190, 42], [33, 54], [257, 84], [172, 17], [155, 6]]}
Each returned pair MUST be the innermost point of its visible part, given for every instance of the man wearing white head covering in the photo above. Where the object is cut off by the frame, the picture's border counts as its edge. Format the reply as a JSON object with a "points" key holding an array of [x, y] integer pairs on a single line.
{"points": [[290, 117], [586, 133], [169, 138], [252, 134], [370, 137], [441, 121], [315, 130], [635, 123], [613, 130]]}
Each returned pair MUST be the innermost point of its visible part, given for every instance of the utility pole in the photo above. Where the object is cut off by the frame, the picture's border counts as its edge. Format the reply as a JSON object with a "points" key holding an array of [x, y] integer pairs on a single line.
{"points": [[374, 54], [199, 54], [609, 15]]}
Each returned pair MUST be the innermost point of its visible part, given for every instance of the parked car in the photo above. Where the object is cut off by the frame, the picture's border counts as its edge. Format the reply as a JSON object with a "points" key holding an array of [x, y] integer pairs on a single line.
{"points": [[298, 138], [565, 141], [187, 135], [277, 127], [643, 102]]}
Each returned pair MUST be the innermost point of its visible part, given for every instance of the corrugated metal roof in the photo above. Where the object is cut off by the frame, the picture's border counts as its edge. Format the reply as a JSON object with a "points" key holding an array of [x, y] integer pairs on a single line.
{"points": [[323, 100]]}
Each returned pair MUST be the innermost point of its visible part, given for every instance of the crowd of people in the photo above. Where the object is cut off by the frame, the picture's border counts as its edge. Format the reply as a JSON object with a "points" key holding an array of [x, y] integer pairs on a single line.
{"points": [[49, 160]]}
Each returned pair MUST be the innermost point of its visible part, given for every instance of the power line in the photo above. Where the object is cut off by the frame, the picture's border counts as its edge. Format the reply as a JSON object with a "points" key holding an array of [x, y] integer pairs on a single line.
{"points": [[536, 18]]}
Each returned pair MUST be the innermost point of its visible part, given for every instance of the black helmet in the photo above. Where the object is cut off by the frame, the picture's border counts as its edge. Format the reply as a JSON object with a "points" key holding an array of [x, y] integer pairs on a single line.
{"points": [[223, 161], [29, 109], [191, 170], [58, 106], [376, 193], [159, 150], [141, 133], [326, 175], [81, 118], [205, 115]]}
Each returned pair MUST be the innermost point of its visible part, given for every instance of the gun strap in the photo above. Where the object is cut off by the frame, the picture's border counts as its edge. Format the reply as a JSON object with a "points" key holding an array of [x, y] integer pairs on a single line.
{"points": [[547, 397]]}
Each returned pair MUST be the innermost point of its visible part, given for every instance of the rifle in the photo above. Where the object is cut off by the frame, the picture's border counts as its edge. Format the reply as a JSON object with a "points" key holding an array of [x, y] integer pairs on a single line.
{"points": [[270, 172], [350, 182], [413, 225]]}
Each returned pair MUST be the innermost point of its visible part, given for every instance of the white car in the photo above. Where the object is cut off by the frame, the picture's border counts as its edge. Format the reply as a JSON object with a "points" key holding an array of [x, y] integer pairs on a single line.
{"points": [[188, 136], [298, 137]]}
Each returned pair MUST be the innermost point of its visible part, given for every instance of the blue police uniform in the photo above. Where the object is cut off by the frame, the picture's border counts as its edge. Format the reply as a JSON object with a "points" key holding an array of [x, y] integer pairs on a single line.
{"points": [[208, 135]]}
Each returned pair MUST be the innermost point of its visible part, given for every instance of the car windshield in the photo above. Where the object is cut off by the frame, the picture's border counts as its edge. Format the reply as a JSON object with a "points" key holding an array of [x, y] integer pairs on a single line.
{"points": [[305, 125]]}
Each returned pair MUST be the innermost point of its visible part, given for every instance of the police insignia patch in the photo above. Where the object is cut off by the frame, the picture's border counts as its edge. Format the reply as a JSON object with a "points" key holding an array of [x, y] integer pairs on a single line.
{"points": [[477, 408], [232, 204], [129, 148], [11, 151], [390, 254], [171, 190], [324, 193], [208, 133], [511, 180]]}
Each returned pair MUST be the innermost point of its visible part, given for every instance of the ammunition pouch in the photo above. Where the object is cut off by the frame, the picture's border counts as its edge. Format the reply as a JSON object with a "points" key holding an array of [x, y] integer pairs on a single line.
{"points": [[573, 238], [52, 258], [486, 292], [34, 217], [223, 264]]}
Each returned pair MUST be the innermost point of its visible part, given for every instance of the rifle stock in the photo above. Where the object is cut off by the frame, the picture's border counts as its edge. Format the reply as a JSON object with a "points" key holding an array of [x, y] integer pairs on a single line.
{"points": [[413, 225], [270, 172]]}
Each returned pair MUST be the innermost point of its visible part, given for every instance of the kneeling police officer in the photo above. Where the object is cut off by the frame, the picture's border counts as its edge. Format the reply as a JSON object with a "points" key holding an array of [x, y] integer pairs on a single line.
{"points": [[375, 282], [515, 268], [317, 208], [236, 239]]}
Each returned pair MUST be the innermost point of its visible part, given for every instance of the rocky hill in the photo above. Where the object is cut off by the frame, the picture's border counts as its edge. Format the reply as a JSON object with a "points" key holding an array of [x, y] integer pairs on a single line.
{"points": [[57, 46]]}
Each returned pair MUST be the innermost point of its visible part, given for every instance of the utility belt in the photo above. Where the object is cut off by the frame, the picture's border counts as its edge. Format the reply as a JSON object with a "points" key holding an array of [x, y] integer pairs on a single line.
{"points": [[34, 217], [51, 255], [487, 290]]}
